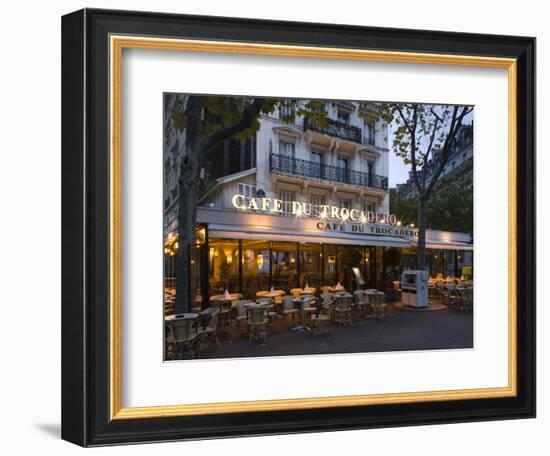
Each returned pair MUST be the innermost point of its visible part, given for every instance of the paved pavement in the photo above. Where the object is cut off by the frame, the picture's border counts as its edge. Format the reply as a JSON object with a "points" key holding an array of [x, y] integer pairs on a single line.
{"points": [[403, 329]]}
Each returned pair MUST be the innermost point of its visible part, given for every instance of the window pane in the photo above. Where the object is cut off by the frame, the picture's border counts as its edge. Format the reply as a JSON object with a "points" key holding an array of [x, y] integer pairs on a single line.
{"points": [[224, 266], [349, 257], [310, 265], [255, 267], [284, 265], [331, 276], [287, 198]]}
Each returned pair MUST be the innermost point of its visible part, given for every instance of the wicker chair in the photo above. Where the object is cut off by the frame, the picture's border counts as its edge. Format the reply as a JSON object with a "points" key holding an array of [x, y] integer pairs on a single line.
{"points": [[182, 334], [309, 305], [270, 304], [467, 299], [342, 310], [241, 311], [288, 307], [257, 320], [362, 302], [378, 305], [210, 330], [320, 324]]}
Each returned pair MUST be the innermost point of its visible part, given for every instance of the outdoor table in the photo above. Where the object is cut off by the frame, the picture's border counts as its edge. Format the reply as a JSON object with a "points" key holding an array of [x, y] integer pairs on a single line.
{"points": [[269, 294], [302, 326], [248, 305], [181, 316]]}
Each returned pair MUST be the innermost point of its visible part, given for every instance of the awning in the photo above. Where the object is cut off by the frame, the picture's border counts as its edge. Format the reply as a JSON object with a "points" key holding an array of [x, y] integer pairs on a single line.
{"points": [[258, 233], [444, 245]]}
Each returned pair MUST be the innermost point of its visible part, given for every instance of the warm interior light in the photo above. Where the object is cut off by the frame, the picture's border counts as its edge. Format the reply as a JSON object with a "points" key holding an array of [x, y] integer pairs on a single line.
{"points": [[399, 223]]}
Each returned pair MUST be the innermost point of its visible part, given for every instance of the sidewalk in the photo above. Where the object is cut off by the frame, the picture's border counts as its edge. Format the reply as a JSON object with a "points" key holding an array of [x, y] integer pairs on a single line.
{"points": [[401, 330]]}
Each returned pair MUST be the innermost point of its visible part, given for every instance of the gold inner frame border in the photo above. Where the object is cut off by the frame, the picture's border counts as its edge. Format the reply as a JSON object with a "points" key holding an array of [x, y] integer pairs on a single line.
{"points": [[116, 46]]}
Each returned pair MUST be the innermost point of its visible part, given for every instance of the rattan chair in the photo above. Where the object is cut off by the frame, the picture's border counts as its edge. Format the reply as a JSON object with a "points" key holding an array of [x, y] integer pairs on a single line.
{"points": [[270, 304], [210, 330], [240, 309], [362, 302], [182, 333], [288, 307], [378, 305], [320, 324], [257, 320], [467, 299], [342, 310]]}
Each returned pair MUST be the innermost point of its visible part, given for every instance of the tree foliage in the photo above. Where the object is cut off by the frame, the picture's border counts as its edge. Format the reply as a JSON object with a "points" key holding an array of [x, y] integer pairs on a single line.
{"points": [[450, 207], [423, 137], [207, 121]]}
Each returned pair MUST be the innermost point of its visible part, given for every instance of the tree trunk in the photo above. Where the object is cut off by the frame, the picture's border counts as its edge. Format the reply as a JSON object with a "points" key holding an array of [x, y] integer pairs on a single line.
{"points": [[421, 249], [187, 207]]}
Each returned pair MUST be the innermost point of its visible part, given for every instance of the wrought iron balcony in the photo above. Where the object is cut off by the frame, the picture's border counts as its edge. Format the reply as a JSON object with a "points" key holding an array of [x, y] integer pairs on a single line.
{"points": [[291, 166], [336, 128]]}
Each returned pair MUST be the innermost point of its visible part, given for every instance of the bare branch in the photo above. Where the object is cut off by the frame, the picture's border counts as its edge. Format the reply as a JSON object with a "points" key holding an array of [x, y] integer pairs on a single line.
{"points": [[456, 122], [405, 121]]}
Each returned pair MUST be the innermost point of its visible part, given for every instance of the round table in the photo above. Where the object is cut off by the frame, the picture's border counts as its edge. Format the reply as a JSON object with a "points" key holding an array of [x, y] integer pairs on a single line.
{"points": [[302, 326], [182, 316]]}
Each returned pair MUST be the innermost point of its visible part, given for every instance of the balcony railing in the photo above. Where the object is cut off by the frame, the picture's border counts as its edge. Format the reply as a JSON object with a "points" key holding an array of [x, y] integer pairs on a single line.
{"points": [[336, 128], [303, 168]]}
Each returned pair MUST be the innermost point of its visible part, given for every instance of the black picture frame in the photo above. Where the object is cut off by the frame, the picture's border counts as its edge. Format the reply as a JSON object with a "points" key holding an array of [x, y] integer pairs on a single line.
{"points": [[85, 225]]}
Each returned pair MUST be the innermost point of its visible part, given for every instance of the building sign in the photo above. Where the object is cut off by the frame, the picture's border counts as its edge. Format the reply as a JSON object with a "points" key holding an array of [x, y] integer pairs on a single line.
{"points": [[380, 230], [332, 218]]}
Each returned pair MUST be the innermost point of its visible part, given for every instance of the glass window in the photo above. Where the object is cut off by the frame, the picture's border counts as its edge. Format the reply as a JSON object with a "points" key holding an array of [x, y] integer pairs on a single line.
{"points": [[287, 198], [310, 265], [368, 206], [370, 173], [349, 258], [341, 169], [316, 203], [380, 273], [369, 130], [247, 190], [196, 293], [330, 265], [255, 267], [317, 164], [287, 149], [284, 265], [345, 203], [224, 266], [343, 116], [287, 110]]}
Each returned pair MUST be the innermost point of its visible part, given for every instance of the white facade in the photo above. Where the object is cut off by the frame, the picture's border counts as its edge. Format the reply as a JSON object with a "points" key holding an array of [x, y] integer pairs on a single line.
{"points": [[344, 165]]}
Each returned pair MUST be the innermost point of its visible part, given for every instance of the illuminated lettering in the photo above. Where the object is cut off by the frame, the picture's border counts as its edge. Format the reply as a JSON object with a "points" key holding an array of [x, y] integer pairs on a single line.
{"points": [[253, 205], [277, 205], [235, 201]]}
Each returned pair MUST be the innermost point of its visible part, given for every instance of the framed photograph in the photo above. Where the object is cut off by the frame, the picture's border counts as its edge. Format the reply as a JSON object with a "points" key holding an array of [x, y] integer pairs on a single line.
{"points": [[274, 227]]}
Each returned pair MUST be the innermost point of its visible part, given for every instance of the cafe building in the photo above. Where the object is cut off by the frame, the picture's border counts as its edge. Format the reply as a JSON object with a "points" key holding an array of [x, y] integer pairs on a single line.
{"points": [[297, 205]]}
